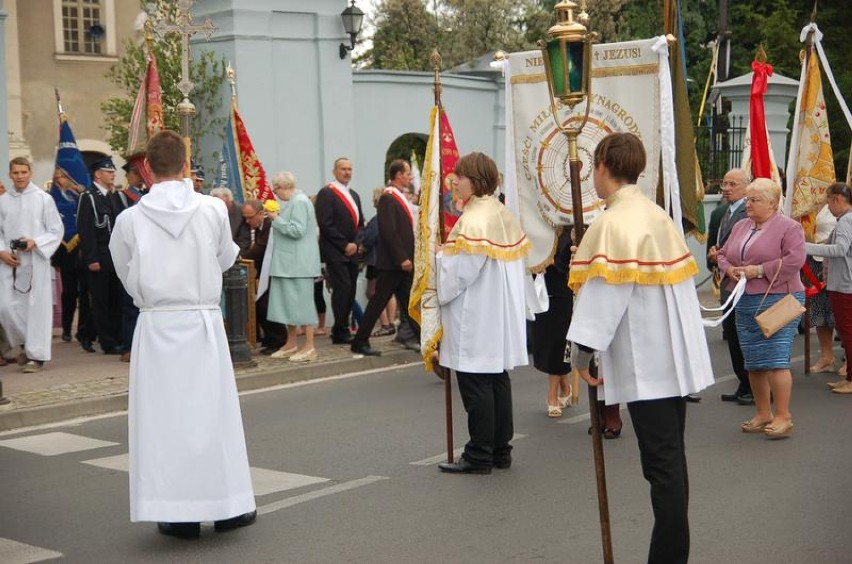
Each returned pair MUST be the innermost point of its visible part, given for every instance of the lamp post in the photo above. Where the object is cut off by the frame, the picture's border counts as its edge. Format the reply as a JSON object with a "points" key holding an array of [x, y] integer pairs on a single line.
{"points": [[353, 18], [567, 54]]}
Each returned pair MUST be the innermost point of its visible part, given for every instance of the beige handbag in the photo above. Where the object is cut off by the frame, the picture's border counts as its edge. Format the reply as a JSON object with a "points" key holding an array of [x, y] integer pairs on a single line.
{"points": [[780, 313]]}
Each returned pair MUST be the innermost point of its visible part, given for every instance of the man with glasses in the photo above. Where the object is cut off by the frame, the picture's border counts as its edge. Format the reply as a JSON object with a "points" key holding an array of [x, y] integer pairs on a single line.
{"points": [[722, 221], [30, 232]]}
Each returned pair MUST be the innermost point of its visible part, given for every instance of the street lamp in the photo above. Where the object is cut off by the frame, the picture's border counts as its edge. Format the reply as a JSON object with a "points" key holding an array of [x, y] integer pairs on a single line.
{"points": [[352, 17], [567, 57]]}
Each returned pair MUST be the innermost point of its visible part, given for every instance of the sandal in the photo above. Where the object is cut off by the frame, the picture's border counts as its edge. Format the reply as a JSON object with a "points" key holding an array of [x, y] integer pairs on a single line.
{"points": [[752, 426], [384, 331], [554, 411], [610, 433], [320, 333], [564, 401], [823, 366], [779, 431]]}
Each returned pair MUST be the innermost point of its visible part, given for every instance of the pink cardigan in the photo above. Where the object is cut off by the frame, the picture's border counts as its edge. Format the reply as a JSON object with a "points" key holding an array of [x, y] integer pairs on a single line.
{"points": [[779, 238]]}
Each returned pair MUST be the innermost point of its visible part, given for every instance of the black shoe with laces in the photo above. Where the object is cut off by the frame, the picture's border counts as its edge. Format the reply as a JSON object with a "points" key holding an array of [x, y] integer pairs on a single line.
{"points": [[243, 520], [180, 530]]}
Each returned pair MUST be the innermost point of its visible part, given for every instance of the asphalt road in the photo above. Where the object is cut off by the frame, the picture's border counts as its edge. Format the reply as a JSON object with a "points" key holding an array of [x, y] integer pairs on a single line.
{"points": [[345, 473]]}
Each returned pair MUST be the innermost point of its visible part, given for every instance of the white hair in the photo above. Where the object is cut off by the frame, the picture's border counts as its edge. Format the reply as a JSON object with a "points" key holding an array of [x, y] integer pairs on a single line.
{"points": [[223, 193], [284, 179]]}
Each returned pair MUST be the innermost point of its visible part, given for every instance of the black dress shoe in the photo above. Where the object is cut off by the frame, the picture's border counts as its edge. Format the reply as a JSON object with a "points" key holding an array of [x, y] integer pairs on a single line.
{"points": [[503, 463], [692, 398], [366, 350], [342, 340], [239, 521], [463, 467], [87, 345], [745, 399], [180, 530], [114, 350], [731, 397], [66, 336], [268, 350]]}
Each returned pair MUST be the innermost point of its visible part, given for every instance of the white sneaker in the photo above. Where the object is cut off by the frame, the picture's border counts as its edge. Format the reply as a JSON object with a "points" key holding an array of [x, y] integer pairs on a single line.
{"points": [[304, 356]]}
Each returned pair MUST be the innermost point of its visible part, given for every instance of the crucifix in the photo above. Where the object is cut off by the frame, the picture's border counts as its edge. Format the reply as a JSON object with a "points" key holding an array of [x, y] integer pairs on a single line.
{"points": [[186, 29]]}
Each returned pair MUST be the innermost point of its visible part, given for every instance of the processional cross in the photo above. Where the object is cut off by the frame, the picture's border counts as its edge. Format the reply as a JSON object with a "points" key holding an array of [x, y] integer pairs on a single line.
{"points": [[186, 29]]}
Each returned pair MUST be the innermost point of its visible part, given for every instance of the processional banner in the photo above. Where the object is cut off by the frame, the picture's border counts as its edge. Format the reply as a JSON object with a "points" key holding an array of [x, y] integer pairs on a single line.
{"points": [[626, 93]]}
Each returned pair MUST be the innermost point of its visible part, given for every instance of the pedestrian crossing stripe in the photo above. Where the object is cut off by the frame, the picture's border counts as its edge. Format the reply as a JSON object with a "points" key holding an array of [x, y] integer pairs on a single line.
{"points": [[14, 552], [264, 481], [53, 444]]}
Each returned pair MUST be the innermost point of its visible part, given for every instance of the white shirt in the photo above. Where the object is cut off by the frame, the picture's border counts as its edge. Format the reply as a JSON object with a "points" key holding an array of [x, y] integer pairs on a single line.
{"points": [[101, 189], [345, 189], [650, 338]]}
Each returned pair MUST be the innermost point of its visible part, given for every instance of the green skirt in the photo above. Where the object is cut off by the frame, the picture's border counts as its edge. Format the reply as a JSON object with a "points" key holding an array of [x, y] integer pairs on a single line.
{"points": [[291, 301]]}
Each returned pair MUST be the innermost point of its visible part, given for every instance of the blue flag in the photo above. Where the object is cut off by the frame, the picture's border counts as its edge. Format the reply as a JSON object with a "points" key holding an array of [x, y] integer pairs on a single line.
{"points": [[229, 164], [68, 157]]}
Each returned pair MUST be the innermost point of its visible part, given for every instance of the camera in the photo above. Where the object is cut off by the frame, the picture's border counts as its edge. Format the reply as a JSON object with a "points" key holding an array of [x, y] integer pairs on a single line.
{"points": [[18, 244]]}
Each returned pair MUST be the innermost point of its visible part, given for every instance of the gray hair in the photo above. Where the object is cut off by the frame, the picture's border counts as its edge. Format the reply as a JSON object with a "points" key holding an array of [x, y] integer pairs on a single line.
{"points": [[742, 173], [285, 180], [767, 188], [254, 204], [222, 192]]}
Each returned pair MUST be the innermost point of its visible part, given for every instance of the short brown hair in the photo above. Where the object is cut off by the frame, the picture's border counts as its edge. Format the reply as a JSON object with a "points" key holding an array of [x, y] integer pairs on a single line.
{"points": [[482, 172], [166, 153], [623, 156], [841, 189], [22, 161]]}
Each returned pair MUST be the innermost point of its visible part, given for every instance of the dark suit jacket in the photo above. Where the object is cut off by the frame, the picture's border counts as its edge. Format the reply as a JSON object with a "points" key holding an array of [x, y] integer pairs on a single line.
{"points": [[335, 225], [721, 225], [396, 234], [256, 251], [95, 219]]}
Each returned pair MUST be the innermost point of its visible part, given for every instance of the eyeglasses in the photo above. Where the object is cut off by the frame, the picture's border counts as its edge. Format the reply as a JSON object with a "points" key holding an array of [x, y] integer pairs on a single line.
{"points": [[754, 199]]}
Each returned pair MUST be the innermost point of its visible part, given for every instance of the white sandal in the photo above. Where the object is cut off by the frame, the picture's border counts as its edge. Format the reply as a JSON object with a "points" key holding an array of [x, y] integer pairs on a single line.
{"points": [[565, 401], [554, 411]]}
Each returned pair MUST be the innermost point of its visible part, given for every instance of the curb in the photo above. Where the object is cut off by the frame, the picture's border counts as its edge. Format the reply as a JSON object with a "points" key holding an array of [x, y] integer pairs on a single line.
{"points": [[12, 419]]}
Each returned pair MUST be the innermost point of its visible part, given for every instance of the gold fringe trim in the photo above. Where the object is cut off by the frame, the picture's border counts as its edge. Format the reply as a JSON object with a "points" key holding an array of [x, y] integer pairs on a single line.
{"points": [[518, 251], [668, 277], [432, 348]]}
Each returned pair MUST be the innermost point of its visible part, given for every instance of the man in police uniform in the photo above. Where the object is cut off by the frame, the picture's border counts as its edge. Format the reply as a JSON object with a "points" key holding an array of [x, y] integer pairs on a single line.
{"points": [[99, 206], [197, 177]]}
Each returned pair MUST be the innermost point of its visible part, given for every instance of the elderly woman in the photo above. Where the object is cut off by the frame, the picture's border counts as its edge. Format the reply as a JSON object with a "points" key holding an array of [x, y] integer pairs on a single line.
{"points": [[767, 249], [480, 280], [838, 252], [295, 263]]}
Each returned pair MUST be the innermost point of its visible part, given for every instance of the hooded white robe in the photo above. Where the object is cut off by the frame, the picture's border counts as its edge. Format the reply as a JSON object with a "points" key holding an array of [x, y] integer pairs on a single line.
{"points": [[188, 458], [26, 298]]}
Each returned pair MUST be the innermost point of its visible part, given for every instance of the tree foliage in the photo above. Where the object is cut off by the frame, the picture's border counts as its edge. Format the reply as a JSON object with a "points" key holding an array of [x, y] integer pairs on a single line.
{"points": [[206, 72]]}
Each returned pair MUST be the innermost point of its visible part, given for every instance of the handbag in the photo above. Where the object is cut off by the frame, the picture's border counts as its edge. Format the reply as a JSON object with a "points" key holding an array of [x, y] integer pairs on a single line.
{"points": [[780, 313]]}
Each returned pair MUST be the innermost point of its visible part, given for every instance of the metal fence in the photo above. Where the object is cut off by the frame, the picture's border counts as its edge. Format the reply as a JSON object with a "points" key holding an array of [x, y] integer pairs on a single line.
{"points": [[720, 148]]}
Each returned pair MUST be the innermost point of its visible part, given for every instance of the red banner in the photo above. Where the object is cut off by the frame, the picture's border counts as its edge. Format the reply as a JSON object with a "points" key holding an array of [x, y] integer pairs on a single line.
{"points": [[449, 156], [761, 166], [146, 119], [253, 176]]}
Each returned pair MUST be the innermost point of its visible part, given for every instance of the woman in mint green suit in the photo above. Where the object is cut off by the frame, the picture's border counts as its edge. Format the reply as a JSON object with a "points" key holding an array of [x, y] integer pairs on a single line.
{"points": [[295, 262]]}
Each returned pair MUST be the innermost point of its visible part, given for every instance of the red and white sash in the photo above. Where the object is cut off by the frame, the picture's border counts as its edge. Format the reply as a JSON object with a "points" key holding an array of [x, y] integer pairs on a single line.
{"points": [[347, 200], [402, 202]]}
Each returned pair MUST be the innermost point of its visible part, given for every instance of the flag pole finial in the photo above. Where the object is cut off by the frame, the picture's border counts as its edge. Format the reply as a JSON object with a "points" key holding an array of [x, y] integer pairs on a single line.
{"points": [[760, 55], [232, 79], [435, 59], [58, 102]]}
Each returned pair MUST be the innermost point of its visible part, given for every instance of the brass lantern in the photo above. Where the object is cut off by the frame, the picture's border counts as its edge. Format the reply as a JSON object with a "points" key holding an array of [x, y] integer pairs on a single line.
{"points": [[568, 54]]}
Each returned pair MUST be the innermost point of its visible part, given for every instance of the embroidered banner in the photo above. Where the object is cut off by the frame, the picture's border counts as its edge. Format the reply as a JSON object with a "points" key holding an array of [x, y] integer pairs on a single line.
{"points": [[626, 97]]}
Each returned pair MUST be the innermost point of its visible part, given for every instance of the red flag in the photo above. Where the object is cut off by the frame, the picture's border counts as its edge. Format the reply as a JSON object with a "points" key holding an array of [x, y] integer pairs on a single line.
{"points": [[146, 119], [252, 175], [449, 156], [761, 163]]}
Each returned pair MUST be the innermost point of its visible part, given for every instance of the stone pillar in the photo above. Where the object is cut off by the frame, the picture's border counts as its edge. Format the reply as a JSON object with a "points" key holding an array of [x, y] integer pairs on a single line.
{"points": [[17, 146], [780, 92], [4, 116], [294, 91]]}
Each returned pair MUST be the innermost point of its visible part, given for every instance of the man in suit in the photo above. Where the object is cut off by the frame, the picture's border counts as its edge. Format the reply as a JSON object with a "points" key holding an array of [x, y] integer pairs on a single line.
{"points": [[722, 221], [96, 214], [394, 263], [339, 217], [274, 335]]}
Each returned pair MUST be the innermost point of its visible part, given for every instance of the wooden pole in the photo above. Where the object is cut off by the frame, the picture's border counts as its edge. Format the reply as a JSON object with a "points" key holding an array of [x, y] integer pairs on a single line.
{"points": [[445, 373]]}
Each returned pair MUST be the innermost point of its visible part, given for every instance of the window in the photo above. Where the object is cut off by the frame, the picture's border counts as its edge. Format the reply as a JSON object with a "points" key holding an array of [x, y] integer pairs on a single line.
{"points": [[76, 20]]}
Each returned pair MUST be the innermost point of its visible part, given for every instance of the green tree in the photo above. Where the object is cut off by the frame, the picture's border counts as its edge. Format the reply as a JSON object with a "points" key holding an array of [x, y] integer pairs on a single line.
{"points": [[206, 72], [404, 37]]}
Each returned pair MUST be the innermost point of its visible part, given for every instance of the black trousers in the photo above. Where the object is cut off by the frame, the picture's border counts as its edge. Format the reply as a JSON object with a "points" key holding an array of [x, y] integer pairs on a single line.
{"points": [[388, 283], [487, 400], [71, 295], [659, 426], [107, 301], [85, 317], [273, 334], [343, 278], [729, 330]]}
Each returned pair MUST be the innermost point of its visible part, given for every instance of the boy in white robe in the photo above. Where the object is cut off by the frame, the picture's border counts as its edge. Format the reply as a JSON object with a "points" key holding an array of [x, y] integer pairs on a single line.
{"points": [[30, 232], [188, 460], [638, 306]]}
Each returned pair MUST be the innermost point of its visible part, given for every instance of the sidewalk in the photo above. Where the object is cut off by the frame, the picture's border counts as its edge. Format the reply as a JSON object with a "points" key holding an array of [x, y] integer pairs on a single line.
{"points": [[76, 383]]}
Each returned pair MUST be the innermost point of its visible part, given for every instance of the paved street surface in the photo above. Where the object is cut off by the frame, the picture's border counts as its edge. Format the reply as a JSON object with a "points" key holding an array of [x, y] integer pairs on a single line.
{"points": [[344, 471]]}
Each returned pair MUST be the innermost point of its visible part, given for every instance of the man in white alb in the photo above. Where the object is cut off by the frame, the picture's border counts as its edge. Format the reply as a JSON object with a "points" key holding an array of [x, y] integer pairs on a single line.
{"points": [[188, 460], [30, 232]]}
